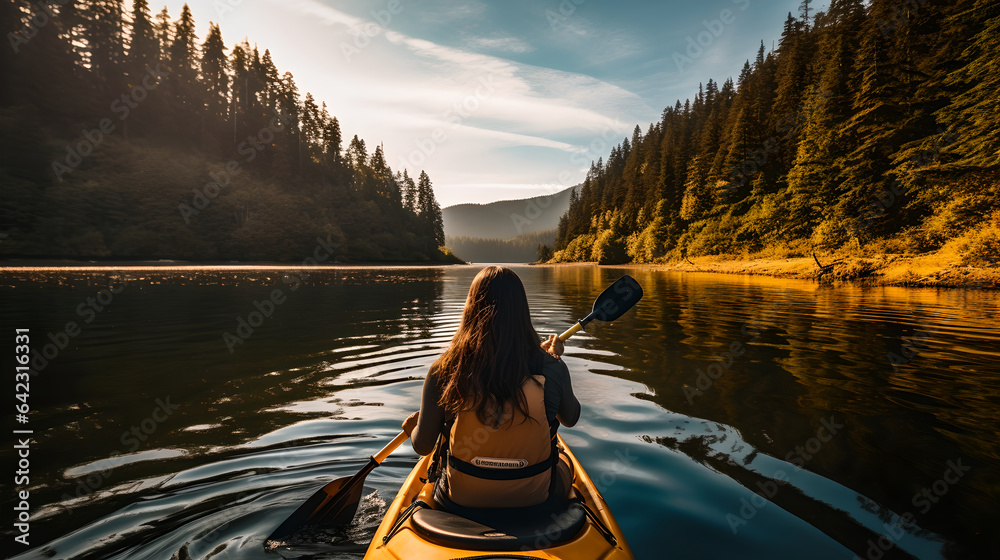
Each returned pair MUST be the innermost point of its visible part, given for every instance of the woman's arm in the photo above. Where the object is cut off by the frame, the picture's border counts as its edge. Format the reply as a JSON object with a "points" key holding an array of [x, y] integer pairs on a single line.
{"points": [[425, 426], [569, 406], [558, 374]]}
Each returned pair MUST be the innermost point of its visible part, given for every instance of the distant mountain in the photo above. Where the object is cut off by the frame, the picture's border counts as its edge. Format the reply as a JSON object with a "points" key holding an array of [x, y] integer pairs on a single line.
{"points": [[507, 218]]}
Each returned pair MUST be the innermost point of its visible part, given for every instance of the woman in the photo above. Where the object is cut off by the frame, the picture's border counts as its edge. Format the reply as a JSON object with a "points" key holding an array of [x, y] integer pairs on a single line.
{"points": [[499, 397]]}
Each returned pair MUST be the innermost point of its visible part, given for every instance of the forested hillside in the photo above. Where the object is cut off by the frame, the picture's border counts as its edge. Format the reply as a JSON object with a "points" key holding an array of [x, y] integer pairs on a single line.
{"points": [[126, 136], [872, 128], [525, 248], [505, 219]]}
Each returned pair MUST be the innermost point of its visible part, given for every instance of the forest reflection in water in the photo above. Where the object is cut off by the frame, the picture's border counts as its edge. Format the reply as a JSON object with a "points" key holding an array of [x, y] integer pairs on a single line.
{"points": [[891, 392]]}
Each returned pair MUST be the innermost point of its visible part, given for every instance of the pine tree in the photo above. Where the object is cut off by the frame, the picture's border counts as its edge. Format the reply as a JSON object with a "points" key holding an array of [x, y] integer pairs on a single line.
{"points": [[183, 68], [164, 31], [288, 98], [256, 88], [239, 98], [271, 80], [792, 77], [333, 141], [384, 186], [312, 129], [804, 11], [740, 140], [544, 253], [105, 40], [410, 195], [430, 211], [357, 153], [215, 80], [289, 157], [144, 47]]}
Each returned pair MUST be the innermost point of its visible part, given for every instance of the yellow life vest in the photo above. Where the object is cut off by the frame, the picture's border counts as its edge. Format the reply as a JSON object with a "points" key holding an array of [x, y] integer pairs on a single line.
{"points": [[509, 464]]}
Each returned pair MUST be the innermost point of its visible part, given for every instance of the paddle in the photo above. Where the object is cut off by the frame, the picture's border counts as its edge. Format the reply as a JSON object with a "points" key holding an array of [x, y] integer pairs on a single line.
{"points": [[613, 302], [335, 504]]}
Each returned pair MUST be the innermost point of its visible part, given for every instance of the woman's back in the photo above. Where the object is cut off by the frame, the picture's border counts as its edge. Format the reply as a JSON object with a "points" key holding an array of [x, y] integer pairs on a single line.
{"points": [[515, 443], [493, 365]]}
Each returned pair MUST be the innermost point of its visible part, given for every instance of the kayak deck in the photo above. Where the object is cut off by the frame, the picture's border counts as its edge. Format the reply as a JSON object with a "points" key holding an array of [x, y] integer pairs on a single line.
{"points": [[413, 529]]}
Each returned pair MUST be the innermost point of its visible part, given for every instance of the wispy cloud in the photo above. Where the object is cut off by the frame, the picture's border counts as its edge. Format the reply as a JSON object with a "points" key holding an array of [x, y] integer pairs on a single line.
{"points": [[500, 44], [555, 91], [451, 13], [325, 13], [481, 101]]}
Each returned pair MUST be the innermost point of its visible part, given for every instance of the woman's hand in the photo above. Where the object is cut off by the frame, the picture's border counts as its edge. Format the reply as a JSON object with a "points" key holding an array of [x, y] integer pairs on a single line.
{"points": [[410, 423], [553, 346]]}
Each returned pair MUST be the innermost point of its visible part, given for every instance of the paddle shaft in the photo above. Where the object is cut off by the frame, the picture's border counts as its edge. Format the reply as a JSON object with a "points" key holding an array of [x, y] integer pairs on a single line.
{"points": [[390, 447], [570, 332]]}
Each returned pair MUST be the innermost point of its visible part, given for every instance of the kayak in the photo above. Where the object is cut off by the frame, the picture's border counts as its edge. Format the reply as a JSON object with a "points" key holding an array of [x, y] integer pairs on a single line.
{"points": [[584, 528]]}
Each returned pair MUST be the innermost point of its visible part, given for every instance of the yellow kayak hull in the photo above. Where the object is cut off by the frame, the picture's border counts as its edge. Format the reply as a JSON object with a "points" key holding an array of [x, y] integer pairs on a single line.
{"points": [[406, 543]]}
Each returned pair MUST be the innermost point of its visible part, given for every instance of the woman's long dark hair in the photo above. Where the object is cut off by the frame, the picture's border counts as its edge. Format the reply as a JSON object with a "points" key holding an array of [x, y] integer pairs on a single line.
{"points": [[491, 354]]}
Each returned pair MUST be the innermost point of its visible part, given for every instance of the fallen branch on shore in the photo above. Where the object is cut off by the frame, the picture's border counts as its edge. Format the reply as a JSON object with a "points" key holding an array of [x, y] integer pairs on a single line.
{"points": [[824, 269]]}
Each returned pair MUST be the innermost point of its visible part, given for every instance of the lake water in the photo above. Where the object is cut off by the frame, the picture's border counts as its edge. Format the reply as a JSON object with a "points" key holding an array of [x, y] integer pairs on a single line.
{"points": [[724, 417]]}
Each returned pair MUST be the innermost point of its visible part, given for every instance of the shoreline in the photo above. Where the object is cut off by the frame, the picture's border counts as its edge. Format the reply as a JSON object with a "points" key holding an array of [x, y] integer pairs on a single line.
{"points": [[69, 264], [930, 270]]}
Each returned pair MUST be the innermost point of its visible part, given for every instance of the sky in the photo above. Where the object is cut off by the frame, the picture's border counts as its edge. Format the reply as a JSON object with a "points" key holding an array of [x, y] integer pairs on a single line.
{"points": [[497, 100]]}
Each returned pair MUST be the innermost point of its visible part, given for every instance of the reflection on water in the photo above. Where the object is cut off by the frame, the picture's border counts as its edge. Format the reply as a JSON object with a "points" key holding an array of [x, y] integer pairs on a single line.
{"points": [[731, 416]]}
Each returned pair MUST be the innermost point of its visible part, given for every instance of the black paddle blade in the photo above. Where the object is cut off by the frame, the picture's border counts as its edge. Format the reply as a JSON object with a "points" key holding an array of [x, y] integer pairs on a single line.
{"points": [[332, 506], [615, 300]]}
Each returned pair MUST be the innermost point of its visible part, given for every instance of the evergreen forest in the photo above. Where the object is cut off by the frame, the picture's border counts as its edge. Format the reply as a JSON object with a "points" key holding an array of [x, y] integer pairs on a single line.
{"points": [[126, 136], [871, 128]]}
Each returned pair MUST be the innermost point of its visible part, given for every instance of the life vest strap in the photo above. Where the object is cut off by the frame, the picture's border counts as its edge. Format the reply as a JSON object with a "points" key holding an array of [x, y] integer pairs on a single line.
{"points": [[503, 474]]}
